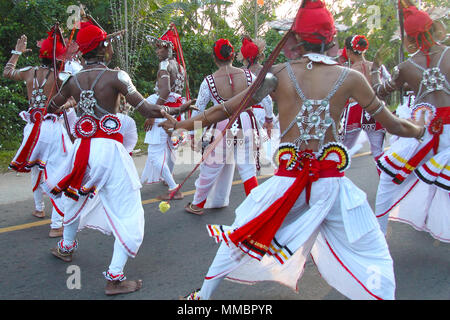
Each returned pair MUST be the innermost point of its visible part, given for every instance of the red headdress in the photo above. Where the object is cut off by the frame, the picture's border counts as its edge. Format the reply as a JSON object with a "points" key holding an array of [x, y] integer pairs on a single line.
{"points": [[89, 37], [359, 47], [218, 47], [171, 39], [314, 23], [46, 47], [417, 25], [249, 50]]}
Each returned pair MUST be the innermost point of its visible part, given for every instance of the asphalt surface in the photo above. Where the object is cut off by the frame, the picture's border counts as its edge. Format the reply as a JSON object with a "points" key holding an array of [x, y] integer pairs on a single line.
{"points": [[177, 251]]}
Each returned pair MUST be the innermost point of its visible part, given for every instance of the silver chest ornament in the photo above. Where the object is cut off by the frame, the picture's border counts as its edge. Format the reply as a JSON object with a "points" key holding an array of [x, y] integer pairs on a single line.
{"points": [[433, 79], [313, 120], [87, 102], [38, 98]]}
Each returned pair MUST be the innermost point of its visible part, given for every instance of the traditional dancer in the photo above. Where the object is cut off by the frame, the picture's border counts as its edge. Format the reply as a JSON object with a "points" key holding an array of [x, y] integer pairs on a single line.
{"points": [[99, 183], [168, 91], [415, 181], [237, 149], [45, 141], [251, 55], [355, 119], [308, 206]]}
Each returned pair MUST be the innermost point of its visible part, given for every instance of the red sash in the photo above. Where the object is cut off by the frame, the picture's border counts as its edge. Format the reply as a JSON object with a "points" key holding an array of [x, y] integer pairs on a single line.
{"points": [[257, 235], [71, 184], [22, 160], [435, 128], [175, 104]]}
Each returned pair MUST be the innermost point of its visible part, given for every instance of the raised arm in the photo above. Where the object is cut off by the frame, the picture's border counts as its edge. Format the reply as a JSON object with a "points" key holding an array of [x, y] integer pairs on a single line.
{"points": [[10, 71]]}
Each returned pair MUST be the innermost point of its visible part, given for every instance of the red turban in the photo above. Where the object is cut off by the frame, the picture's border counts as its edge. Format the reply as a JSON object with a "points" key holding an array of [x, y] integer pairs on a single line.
{"points": [[314, 23], [89, 37], [416, 21], [46, 47], [417, 24], [249, 49]]}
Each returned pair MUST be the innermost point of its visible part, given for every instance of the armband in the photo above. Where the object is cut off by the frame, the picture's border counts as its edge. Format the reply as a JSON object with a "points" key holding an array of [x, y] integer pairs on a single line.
{"points": [[379, 109], [164, 65], [126, 80], [269, 84]]}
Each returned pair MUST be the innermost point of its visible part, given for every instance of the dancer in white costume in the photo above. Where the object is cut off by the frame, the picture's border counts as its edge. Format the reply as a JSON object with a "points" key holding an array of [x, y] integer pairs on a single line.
{"points": [[99, 184], [308, 206], [168, 91], [415, 183], [45, 140], [251, 55], [355, 119], [213, 186]]}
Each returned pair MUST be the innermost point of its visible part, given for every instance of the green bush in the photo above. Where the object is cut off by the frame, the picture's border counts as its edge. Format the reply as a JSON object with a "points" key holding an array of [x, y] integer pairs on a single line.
{"points": [[11, 129]]}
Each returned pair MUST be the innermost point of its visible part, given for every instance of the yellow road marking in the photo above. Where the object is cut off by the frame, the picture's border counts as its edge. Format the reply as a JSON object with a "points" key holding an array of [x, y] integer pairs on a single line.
{"points": [[149, 201], [25, 226]]}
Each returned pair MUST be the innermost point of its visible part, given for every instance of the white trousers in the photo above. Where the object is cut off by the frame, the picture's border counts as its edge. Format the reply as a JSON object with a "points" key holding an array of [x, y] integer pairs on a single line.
{"points": [[159, 165], [38, 195], [361, 269], [119, 257], [216, 177]]}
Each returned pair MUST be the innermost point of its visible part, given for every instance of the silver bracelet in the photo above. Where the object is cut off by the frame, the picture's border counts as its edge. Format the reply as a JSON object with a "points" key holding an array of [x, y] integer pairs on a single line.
{"points": [[380, 108], [16, 52], [139, 104], [420, 137]]}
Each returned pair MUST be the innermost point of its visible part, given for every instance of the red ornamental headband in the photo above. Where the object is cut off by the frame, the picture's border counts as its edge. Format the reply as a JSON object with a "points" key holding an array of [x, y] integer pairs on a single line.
{"points": [[357, 47], [218, 47]]}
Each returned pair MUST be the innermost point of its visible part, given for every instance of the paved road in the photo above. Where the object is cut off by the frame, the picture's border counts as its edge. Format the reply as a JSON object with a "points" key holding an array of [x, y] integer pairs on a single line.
{"points": [[177, 251]]}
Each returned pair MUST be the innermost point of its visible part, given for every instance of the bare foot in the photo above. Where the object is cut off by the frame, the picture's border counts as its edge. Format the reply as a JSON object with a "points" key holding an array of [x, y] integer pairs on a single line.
{"points": [[119, 287]]}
